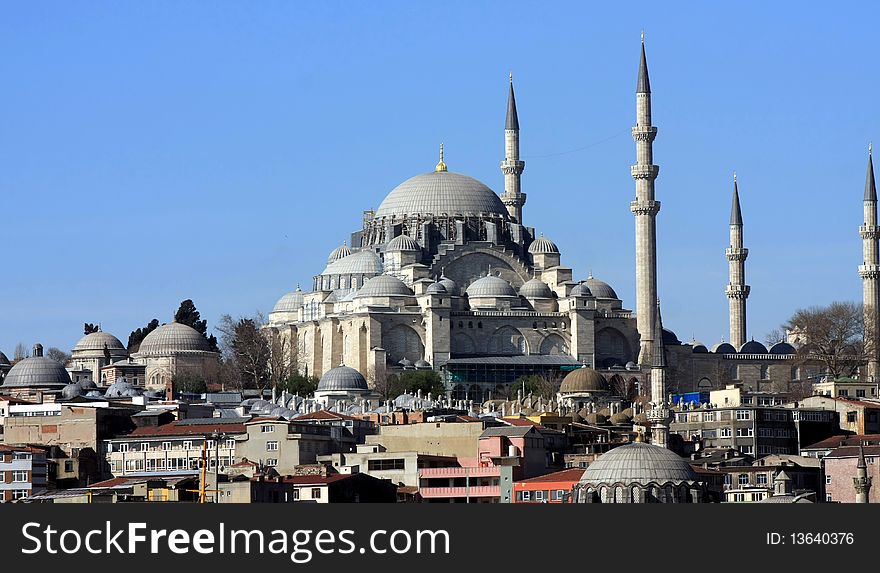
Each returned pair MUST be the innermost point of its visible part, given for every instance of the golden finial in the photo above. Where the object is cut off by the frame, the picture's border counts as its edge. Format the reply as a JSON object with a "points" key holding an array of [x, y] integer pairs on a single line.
{"points": [[440, 166], [639, 437]]}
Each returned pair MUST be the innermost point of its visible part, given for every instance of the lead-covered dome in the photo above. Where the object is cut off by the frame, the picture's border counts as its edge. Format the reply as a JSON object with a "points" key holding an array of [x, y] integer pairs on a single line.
{"points": [[490, 286], [384, 285], [173, 338], [639, 463], [600, 289], [290, 302], [543, 246], [97, 341], [339, 252], [3, 359], [438, 193], [753, 347], [403, 243], [342, 378], [535, 288], [365, 262], [583, 380], [38, 371]]}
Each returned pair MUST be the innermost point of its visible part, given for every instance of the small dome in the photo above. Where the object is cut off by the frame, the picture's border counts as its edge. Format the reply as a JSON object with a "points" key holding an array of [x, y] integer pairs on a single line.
{"points": [[490, 286], [291, 302], [753, 347], [581, 289], [403, 243], [440, 193], [620, 418], [3, 359], [583, 380], [421, 363], [698, 347], [38, 371], [384, 285], [543, 246], [600, 289], [639, 463], [669, 338], [406, 362], [724, 348], [783, 348], [364, 262], [342, 378], [96, 342], [339, 252], [72, 391], [436, 288], [449, 284], [535, 288], [171, 339]]}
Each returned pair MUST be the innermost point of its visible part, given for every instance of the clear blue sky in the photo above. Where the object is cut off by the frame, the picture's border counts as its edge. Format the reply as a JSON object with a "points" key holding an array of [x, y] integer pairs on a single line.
{"points": [[152, 151]]}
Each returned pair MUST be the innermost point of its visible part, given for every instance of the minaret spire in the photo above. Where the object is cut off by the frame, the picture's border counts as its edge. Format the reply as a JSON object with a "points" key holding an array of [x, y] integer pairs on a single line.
{"points": [[645, 209], [870, 273], [737, 290], [513, 198], [659, 415], [862, 482]]}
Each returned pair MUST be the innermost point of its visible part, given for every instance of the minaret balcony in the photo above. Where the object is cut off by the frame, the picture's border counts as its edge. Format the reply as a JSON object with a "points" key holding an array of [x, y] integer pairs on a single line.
{"points": [[736, 254], [511, 167], [869, 271], [644, 133], [644, 171], [645, 207], [738, 292], [869, 232]]}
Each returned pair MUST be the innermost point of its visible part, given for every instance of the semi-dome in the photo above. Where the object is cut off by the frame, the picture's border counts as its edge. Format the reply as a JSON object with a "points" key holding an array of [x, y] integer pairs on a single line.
{"points": [[490, 286], [173, 338], [581, 289], [438, 193], [535, 288], [342, 378], [639, 463], [753, 347], [724, 348], [365, 262], [384, 285], [38, 371], [96, 341], [783, 348], [543, 246], [290, 302], [403, 243], [600, 289], [583, 380], [338, 253]]}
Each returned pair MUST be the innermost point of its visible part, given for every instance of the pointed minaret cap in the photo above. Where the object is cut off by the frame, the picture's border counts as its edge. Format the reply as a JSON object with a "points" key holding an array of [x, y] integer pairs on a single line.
{"points": [[870, 187], [512, 119], [659, 350], [736, 217], [861, 463], [644, 86]]}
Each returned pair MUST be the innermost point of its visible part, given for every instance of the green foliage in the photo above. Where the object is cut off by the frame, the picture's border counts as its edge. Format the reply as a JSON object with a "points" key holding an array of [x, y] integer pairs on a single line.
{"points": [[189, 382], [137, 336], [412, 381], [188, 314], [299, 384]]}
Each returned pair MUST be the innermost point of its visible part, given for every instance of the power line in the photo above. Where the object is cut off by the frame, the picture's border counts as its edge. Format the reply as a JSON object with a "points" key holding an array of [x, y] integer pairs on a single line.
{"points": [[588, 146]]}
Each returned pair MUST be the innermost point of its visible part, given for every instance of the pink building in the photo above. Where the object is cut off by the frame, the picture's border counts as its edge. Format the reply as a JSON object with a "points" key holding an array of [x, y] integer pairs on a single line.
{"points": [[840, 469]]}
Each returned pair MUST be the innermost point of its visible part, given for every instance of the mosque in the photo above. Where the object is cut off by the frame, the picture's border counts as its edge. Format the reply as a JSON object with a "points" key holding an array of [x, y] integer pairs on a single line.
{"points": [[447, 275]]}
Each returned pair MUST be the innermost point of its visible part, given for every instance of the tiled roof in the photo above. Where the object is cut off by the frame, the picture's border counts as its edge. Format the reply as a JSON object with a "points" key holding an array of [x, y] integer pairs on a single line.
{"points": [[570, 474], [850, 440], [326, 415], [179, 429], [853, 452]]}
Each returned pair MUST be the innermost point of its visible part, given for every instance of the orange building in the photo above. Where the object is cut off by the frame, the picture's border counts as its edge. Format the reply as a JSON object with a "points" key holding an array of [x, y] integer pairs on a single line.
{"points": [[548, 488]]}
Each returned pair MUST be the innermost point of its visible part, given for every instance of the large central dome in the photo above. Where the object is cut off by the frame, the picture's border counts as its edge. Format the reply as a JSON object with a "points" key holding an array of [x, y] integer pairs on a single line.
{"points": [[438, 193]]}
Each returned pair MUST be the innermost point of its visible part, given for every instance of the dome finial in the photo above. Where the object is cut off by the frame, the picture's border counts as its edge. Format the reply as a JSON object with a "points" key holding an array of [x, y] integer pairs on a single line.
{"points": [[734, 176], [643, 36], [870, 148], [440, 166]]}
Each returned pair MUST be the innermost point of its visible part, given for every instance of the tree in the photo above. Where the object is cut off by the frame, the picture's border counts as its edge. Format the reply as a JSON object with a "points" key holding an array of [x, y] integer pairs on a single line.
{"points": [[299, 384], [188, 314], [775, 336], [137, 336], [245, 346], [89, 328], [188, 382], [544, 386], [427, 381], [279, 357], [21, 352], [58, 355], [835, 335]]}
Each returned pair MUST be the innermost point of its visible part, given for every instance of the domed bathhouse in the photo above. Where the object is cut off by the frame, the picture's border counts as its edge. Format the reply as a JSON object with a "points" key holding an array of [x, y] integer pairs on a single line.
{"points": [[640, 473], [176, 350], [94, 351], [342, 384], [35, 375], [446, 271]]}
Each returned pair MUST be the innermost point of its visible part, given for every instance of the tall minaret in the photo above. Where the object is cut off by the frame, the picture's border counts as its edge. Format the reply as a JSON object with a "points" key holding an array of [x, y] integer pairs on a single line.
{"points": [[512, 167], [870, 273], [659, 415], [645, 209], [862, 482], [737, 289]]}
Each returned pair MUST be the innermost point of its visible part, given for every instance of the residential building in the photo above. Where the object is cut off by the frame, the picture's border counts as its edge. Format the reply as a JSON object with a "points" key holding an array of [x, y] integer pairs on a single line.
{"points": [[23, 472], [855, 416], [554, 487], [846, 388], [840, 468]]}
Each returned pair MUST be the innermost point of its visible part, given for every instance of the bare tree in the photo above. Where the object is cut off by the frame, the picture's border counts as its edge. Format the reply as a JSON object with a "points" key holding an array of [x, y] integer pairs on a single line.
{"points": [[280, 357], [243, 343], [775, 336], [837, 336], [58, 355], [21, 352]]}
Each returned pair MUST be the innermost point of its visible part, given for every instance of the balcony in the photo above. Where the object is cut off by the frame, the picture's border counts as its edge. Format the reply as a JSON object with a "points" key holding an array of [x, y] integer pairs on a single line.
{"points": [[430, 473], [473, 491]]}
